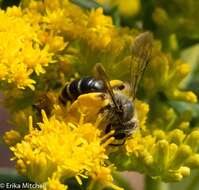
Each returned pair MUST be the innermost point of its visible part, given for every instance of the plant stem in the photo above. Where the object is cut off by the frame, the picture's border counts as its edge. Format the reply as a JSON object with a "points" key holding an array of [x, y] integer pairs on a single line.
{"points": [[94, 185], [152, 184], [194, 182]]}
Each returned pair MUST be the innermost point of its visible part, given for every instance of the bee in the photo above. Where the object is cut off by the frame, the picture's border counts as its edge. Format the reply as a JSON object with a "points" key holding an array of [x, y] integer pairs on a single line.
{"points": [[120, 113], [84, 85]]}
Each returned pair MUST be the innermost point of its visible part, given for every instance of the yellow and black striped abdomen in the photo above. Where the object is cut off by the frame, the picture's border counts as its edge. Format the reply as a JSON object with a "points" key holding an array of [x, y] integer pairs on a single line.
{"points": [[84, 85]]}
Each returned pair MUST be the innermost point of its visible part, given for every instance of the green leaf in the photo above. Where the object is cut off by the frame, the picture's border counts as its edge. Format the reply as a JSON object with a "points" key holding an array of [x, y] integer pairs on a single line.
{"points": [[116, 17], [92, 4], [182, 107], [88, 4], [191, 56]]}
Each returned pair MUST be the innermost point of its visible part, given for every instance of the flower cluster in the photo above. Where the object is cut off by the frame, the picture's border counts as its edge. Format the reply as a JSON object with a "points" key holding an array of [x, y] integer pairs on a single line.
{"points": [[70, 141], [165, 147], [168, 78], [168, 156], [57, 151], [22, 53]]}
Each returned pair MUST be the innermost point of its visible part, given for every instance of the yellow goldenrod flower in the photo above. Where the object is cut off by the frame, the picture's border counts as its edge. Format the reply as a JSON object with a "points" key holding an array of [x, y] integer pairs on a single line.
{"points": [[35, 58], [193, 161], [19, 75], [167, 157], [100, 28], [56, 43], [168, 78], [75, 150], [52, 5], [54, 183], [176, 136], [135, 144], [20, 49], [193, 140], [14, 11], [3, 71], [57, 20], [180, 95], [103, 178], [142, 110], [66, 19]]}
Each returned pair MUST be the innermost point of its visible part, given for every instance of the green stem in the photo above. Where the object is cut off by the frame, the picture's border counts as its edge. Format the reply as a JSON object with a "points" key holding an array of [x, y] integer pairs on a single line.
{"points": [[94, 185], [194, 182], [152, 184]]}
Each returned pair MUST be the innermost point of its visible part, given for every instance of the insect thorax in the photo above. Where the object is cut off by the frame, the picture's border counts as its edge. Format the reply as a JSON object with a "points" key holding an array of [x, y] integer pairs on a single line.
{"points": [[126, 112]]}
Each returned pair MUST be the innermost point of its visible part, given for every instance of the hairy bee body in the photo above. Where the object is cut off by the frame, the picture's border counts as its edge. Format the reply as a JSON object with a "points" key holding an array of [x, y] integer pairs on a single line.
{"points": [[122, 122], [73, 90], [119, 113]]}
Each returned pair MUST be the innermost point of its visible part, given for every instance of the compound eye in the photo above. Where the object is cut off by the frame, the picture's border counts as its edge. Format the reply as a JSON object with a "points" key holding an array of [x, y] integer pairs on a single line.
{"points": [[121, 87], [128, 111]]}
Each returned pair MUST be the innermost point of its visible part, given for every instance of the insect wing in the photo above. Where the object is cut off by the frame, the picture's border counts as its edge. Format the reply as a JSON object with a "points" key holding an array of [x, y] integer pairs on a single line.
{"points": [[101, 74], [141, 52]]}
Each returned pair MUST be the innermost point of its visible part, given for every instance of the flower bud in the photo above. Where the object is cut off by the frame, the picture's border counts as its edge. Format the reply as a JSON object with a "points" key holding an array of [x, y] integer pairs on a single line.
{"points": [[146, 158], [160, 16], [183, 152], [193, 161], [173, 176], [176, 136], [159, 134], [12, 137], [161, 154], [185, 171], [193, 140]]}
